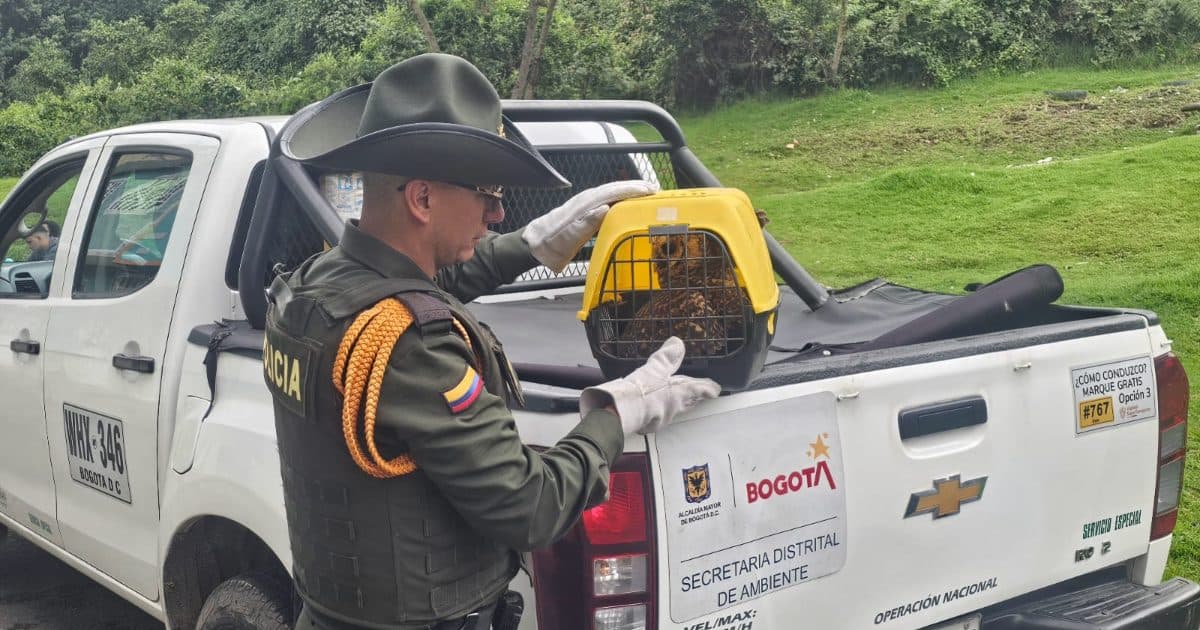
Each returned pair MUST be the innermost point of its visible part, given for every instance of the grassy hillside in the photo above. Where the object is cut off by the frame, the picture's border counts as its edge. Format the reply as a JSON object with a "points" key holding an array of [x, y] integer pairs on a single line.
{"points": [[940, 188], [6, 184], [990, 121]]}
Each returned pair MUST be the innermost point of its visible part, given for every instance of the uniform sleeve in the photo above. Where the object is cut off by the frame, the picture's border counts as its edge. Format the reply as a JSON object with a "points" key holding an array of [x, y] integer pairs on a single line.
{"points": [[505, 490], [498, 259]]}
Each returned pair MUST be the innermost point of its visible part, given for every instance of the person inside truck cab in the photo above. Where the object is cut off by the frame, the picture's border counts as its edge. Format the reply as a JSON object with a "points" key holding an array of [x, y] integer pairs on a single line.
{"points": [[53, 227], [42, 244], [409, 493]]}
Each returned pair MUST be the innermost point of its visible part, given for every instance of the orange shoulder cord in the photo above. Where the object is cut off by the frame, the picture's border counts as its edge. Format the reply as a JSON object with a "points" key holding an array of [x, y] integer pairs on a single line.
{"points": [[361, 362]]}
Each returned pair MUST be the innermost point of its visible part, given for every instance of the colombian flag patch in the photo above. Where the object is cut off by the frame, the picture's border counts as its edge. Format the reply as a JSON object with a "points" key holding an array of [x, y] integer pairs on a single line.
{"points": [[463, 395]]}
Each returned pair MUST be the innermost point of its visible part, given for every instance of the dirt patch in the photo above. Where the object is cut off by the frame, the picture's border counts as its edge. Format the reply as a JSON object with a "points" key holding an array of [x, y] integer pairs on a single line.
{"points": [[1040, 125], [1117, 109]]}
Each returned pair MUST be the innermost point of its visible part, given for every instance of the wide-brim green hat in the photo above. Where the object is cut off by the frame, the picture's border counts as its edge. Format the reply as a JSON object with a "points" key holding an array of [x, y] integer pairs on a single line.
{"points": [[433, 116]]}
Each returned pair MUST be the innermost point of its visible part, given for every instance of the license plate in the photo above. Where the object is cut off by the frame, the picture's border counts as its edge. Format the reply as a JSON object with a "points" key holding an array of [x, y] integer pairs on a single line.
{"points": [[96, 451], [972, 622]]}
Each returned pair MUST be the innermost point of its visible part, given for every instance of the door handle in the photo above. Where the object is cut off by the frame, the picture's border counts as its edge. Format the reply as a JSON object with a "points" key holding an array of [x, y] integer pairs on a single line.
{"points": [[25, 346], [134, 363], [942, 416]]}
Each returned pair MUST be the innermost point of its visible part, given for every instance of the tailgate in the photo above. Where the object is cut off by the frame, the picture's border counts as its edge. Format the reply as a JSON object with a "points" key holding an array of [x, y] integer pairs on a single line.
{"points": [[804, 507]]}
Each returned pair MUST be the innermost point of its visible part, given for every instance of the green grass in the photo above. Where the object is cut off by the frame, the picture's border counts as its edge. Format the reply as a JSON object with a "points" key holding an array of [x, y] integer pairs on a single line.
{"points": [[939, 188]]}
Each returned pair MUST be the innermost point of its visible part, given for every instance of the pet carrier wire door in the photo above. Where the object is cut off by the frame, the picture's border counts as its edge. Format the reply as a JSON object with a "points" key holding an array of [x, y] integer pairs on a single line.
{"points": [[691, 264]]}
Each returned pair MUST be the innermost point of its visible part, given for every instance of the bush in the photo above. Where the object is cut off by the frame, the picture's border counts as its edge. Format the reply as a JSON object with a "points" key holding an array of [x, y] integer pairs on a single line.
{"points": [[699, 54], [1119, 31], [119, 50], [391, 35], [924, 41], [23, 138], [84, 108], [178, 88], [270, 39], [806, 31], [325, 74], [182, 22], [46, 69]]}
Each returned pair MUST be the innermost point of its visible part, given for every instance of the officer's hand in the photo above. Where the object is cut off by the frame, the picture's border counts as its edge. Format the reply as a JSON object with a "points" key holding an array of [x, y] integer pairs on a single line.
{"points": [[556, 236], [648, 399]]}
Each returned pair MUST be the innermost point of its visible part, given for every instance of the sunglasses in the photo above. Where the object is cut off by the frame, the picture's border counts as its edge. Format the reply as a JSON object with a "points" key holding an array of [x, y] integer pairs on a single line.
{"points": [[496, 191]]}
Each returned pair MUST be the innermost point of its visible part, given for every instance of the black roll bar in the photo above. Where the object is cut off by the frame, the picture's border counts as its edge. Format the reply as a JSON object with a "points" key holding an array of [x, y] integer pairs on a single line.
{"points": [[793, 274], [289, 174]]}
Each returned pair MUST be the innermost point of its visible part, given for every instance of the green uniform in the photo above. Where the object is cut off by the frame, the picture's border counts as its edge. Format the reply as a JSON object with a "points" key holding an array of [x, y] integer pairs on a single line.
{"points": [[442, 541]]}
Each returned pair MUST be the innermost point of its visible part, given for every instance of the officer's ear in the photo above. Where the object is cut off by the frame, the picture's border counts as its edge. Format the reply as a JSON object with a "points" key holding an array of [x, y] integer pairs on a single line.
{"points": [[418, 200]]}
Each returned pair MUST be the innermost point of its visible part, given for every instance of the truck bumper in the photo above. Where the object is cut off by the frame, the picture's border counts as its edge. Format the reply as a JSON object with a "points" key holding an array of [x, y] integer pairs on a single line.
{"points": [[1114, 605]]}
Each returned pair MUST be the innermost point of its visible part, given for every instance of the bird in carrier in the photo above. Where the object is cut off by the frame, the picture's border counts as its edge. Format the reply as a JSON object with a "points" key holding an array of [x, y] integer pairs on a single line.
{"points": [[691, 264]]}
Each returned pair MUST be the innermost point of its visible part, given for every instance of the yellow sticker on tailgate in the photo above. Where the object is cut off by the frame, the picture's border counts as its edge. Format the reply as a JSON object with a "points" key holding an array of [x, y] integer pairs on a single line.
{"points": [[1094, 412]]}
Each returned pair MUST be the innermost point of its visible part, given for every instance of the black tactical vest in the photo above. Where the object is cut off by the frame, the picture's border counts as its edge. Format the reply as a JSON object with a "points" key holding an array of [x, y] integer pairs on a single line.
{"points": [[370, 552]]}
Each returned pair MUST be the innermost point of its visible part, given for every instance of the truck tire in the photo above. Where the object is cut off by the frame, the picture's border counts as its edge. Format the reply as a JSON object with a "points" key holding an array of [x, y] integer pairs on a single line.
{"points": [[253, 601], [3, 533]]}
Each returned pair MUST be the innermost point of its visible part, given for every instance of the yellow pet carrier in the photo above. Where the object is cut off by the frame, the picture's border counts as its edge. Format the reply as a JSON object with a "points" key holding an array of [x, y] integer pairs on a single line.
{"points": [[686, 263]]}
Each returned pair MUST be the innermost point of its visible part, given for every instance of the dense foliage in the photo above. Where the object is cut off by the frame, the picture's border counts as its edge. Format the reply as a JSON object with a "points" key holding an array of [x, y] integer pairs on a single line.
{"points": [[68, 67]]}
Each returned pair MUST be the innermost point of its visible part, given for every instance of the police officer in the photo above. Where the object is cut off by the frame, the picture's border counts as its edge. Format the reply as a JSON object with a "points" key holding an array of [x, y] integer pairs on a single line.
{"points": [[409, 494]]}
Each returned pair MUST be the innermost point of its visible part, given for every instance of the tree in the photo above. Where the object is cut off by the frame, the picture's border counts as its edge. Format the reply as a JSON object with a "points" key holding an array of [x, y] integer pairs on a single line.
{"points": [[182, 22], [837, 46], [118, 50], [532, 50], [46, 69], [426, 29], [539, 50]]}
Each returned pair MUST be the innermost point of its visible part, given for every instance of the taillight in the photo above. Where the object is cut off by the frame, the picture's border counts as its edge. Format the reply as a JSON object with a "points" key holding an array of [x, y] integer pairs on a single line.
{"points": [[1172, 384], [601, 575]]}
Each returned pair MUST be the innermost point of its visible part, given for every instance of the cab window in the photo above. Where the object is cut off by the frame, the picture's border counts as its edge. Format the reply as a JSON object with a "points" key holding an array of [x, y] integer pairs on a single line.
{"points": [[31, 225], [130, 229]]}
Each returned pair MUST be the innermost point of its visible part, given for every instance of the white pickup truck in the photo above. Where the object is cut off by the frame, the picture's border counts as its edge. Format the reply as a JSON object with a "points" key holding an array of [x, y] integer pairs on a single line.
{"points": [[904, 460]]}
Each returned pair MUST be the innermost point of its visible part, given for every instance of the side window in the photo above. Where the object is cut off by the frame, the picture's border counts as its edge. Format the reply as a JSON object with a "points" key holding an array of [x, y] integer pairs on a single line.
{"points": [[130, 228], [31, 226]]}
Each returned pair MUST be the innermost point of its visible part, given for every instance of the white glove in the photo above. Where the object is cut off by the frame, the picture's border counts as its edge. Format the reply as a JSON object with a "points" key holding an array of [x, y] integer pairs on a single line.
{"points": [[555, 237], [650, 396]]}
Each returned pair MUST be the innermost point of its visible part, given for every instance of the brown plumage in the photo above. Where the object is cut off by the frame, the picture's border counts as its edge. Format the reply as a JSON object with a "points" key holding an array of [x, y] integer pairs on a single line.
{"points": [[698, 300]]}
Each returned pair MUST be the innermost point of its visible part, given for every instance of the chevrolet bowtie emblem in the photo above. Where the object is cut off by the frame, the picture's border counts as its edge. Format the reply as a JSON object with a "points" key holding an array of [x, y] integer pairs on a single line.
{"points": [[945, 497]]}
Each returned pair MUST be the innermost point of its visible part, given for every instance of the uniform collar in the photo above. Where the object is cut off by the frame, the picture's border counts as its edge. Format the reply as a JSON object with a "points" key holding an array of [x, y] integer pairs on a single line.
{"points": [[377, 255]]}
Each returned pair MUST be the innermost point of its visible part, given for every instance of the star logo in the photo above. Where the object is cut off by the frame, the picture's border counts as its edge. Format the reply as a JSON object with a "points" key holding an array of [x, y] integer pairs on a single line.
{"points": [[819, 448], [946, 497]]}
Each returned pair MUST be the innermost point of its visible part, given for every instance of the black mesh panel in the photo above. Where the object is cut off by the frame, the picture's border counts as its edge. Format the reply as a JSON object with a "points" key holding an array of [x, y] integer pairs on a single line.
{"points": [[584, 169], [295, 239]]}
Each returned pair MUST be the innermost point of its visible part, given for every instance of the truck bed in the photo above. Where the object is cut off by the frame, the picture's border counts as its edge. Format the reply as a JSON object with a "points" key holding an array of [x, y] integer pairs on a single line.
{"points": [[853, 316]]}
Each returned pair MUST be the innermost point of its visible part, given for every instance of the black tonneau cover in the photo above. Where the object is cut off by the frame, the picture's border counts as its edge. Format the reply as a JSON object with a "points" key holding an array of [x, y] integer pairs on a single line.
{"points": [[546, 330]]}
